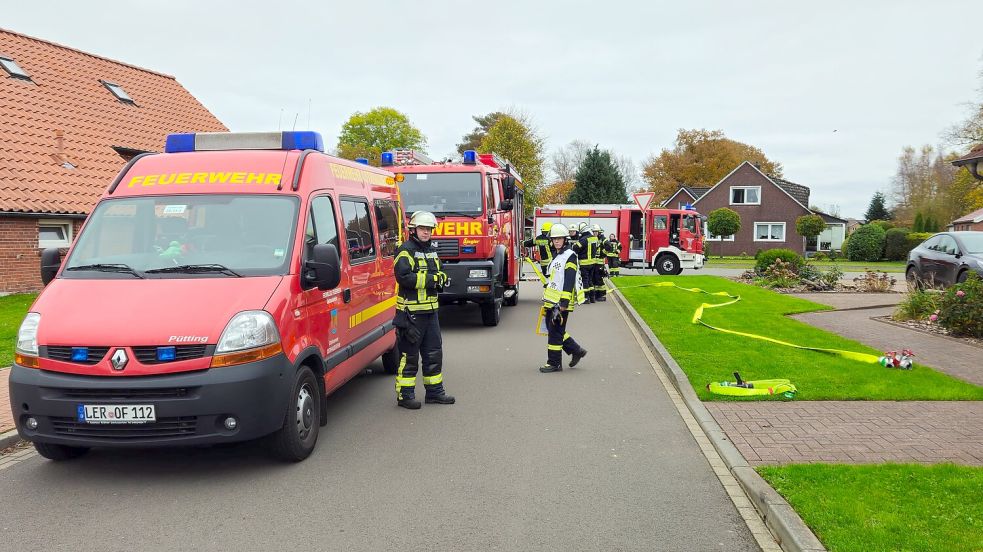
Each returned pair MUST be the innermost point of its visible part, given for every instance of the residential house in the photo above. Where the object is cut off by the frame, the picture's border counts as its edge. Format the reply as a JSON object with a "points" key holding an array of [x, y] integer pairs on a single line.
{"points": [[685, 195], [69, 121], [972, 221], [768, 207]]}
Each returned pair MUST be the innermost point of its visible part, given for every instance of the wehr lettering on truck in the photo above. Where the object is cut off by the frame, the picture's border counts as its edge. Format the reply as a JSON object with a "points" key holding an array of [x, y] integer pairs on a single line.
{"points": [[478, 205], [218, 292]]}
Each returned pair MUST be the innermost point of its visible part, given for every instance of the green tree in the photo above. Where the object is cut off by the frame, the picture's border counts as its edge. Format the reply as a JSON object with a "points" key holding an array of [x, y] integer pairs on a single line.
{"points": [[382, 128], [866, 243], [723, 222], [354, 151], [700, 158], [919, 224], [598, 180], [877, 210], [517, 142], [473, 140], [810, 226]]}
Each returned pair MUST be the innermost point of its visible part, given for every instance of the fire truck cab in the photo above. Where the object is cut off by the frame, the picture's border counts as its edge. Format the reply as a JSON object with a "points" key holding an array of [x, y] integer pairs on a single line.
{"points": [[667, 240], [478, 203]]}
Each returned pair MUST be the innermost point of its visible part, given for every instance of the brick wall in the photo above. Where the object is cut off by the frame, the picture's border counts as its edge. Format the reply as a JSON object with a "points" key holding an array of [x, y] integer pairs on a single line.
{"points": [[20, 256]]}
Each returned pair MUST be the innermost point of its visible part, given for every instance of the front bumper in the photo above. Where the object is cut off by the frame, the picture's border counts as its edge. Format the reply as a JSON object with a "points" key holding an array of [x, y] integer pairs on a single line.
{"points": [[690, 260], [190, 407], [463, 286]]}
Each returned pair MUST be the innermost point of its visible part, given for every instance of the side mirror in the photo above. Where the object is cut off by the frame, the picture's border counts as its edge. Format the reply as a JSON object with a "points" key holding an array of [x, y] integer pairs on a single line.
{"points": [[324, 268], [506, 205], [508, 187], [491, 218], [50, 263]]}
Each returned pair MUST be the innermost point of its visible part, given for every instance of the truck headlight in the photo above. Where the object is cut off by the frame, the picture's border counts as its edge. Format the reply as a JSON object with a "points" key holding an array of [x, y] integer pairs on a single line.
{"points": [[27, 335], [248, 330], [479, 273]]}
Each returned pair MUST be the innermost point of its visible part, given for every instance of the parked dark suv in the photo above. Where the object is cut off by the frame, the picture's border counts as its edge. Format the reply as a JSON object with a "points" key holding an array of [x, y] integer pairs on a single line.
{"points": [[946, 258]]}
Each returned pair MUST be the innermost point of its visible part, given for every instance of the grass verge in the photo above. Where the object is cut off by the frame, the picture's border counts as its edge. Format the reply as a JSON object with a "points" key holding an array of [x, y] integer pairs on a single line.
{"points": [[707, 356], [12, 311], [845, 266], [886, 506]]}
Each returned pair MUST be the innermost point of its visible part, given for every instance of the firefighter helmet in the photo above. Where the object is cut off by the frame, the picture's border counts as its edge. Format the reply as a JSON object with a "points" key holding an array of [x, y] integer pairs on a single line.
{"points": [[583, 226], [423, 218], [595, 228], [558, 231], [546, 227]]}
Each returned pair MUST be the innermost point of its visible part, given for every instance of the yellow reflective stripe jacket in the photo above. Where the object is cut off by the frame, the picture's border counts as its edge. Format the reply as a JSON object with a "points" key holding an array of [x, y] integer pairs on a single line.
{"points": [[416, 271]]}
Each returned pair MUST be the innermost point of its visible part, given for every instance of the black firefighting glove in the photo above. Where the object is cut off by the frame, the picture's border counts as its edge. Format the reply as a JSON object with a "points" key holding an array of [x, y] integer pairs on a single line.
{"points": [[556, 317]]}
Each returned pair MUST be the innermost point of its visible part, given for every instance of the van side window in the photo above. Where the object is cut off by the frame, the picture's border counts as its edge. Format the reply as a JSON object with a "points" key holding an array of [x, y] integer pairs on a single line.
{"points": [[387, 222], [489, 194], [321, 225], [358, 229]]}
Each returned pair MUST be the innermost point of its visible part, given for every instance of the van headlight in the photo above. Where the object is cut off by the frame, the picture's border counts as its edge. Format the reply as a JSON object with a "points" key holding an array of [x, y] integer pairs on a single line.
{"points": [[248, 330], [27, 335]]}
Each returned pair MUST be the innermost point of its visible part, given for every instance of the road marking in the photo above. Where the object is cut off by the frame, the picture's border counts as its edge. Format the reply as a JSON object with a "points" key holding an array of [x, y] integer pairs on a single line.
{"points": [[734, 490]]}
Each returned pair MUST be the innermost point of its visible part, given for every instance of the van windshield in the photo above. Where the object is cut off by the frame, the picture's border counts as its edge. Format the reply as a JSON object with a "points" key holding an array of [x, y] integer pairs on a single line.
{"points": [[183, 236], [442, 193]]}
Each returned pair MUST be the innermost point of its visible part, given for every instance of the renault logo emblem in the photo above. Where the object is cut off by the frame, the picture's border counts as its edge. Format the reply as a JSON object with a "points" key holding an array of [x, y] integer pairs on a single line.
{"points": [[119, 359]]}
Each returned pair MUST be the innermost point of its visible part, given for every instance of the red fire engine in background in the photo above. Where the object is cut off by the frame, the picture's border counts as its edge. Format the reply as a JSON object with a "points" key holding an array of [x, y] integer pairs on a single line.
{"points": [[671, 240], [478, 205]]}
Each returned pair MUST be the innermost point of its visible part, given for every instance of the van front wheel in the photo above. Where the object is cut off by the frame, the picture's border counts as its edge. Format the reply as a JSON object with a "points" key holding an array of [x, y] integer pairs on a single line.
{"points": [[295, 440]]}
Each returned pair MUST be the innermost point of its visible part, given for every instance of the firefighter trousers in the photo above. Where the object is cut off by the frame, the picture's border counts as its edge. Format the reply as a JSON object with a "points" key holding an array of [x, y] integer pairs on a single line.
{"points": [[614, 266], [600, 289], [421, 340], [559, 341], [587, 279]]}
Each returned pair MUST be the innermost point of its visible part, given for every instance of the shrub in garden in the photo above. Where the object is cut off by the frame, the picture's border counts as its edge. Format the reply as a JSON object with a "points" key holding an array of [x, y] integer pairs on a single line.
{"points": [[831, 278], [896, 244], [767, 258], [961, 308], [875, 282], [820, 256], [866, 244], [884, 224], [780, 274], [918, 304]]}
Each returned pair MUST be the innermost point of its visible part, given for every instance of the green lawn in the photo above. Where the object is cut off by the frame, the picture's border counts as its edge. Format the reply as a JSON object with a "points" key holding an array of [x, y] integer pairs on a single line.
{"points": [[707, 355], [12, 311], [846, 266], [886, 507]]}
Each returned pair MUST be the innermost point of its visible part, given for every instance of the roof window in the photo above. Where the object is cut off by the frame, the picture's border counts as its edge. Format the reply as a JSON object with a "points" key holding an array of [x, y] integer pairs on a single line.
{"points": [[118, 91], [14, 70]]}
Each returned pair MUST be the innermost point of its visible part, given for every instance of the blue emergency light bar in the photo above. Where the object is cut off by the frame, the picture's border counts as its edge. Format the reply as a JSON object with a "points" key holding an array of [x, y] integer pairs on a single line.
{"points": [[470, 157], [166, 354], [362, 160], [80, 354], [220, 141], [388, 159]]}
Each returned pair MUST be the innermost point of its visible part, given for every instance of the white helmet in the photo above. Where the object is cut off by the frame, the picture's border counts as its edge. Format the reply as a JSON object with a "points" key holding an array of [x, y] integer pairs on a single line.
{"points": [[559, 231], [595, 228], [583, 226], [423, 218]]}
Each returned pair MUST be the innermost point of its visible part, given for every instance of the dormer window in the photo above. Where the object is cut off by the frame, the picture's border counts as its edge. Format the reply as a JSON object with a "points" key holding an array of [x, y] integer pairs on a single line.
{"points": [[118, 91], [12, 69]]}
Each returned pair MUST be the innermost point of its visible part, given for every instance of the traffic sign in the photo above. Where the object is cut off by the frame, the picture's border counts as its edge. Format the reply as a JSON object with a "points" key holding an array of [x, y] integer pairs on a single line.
{"points": [[643, 199]]}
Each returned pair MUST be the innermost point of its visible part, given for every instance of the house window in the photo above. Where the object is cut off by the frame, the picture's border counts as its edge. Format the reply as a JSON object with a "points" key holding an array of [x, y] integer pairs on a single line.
{"points": [[712, 237], [12, 69], [118, 91], [54, 234], [769, 231], [745, 195]]}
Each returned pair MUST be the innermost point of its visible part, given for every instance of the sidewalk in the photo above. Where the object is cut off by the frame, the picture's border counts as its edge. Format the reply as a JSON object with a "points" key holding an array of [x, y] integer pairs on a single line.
{"points": [[6, 416]]}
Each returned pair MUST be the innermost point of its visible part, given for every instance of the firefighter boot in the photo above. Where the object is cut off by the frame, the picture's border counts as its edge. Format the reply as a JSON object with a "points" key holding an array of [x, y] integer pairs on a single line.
{"points": [[406, 397], [547, 368], [577, 356], [436, 394]]}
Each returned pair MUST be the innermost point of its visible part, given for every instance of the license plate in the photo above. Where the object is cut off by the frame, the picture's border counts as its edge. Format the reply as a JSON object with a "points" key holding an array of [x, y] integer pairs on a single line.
{"points": [[116, 413]]}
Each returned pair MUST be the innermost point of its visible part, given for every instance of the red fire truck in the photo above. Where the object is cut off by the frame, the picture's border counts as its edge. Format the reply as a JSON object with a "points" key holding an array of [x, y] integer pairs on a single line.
{"points": [[670, 242], [478, 205]]}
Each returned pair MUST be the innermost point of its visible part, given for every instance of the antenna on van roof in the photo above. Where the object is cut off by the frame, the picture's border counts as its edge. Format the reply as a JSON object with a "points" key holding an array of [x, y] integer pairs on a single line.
{"points": [[308, 113], [296, 114]]}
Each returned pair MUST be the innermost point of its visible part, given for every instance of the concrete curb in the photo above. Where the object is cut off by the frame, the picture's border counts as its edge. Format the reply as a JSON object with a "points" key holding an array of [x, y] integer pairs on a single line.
{"points": [[9, 438], [792, 533]]}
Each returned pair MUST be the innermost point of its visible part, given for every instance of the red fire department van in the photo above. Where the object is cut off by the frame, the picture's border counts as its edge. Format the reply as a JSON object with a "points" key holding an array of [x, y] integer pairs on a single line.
{"points": [[218, 292], [478, 205], [671, 240]]}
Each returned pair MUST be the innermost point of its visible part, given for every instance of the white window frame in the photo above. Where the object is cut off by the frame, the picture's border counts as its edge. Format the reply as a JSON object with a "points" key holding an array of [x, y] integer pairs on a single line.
{"points": [[65, 225], [710, 237], [730, 197], [784, 231]]}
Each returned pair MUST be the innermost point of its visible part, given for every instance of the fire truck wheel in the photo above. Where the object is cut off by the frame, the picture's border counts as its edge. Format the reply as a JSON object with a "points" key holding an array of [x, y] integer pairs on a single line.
{"points": [[59, 453], [390, 361], [491, 312], [668, 265], [296, 439]]}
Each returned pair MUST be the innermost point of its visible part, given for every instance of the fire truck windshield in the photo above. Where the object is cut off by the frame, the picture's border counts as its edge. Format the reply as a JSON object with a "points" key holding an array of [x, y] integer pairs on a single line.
{"points": [[443, 193]]}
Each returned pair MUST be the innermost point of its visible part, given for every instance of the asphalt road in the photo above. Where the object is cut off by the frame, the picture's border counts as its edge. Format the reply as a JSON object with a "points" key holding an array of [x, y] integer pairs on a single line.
{"points": [[594, 458]]}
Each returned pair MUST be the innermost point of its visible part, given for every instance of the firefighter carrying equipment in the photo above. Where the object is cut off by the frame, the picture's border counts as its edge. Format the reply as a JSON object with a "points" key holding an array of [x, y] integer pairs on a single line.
{"points": [[563, 292], [423, 218], [543, 246]]}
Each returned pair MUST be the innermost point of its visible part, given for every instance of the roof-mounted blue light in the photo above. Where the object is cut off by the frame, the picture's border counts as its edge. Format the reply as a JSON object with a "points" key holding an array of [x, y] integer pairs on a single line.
{"points": [[222, 141], [470, 157], [688, 207], [362, 160], [387, 159]]}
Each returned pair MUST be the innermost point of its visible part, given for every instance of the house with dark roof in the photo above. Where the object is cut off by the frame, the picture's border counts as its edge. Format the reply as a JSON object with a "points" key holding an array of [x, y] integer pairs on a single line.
{"points": [[971, 221], [768, 207], [685, 195], [69, 121]]}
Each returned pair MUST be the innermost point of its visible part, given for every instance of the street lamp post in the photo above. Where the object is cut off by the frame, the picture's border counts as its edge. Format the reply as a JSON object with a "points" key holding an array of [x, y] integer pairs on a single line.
{"points": [[972, 161]]}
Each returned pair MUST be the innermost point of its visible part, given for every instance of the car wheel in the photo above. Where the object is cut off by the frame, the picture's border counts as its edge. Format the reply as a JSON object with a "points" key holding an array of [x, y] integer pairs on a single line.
{"points": [[962, 276], [59, 453], [295, 440]]}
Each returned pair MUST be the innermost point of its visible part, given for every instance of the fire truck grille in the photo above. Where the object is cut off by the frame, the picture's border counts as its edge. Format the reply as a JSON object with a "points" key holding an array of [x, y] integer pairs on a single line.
{"points": [[448, 248], [121, 394], [163, 428], [148, 354], [64, 354]]}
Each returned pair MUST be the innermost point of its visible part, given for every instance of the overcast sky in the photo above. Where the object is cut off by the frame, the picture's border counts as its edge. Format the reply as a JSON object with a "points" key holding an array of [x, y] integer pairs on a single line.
{"points": [[782, 76]]}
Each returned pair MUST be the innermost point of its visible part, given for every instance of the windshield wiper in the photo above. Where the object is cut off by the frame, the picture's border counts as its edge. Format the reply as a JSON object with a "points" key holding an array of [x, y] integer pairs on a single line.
{"points": [[108, 268], [458, 213], [195, 269]]}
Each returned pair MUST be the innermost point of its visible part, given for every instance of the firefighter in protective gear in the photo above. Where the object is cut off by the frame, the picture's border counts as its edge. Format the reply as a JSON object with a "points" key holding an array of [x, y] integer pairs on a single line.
{"points": [[613, 252], [597, 275], [586, 249], [542, 243], [419, 279], [562, 294]]}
